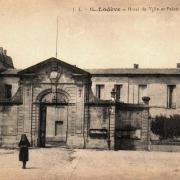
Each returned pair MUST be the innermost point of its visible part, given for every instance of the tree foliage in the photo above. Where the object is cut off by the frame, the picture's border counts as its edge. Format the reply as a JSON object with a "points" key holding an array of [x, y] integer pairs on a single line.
{"points": [[166, 127]]}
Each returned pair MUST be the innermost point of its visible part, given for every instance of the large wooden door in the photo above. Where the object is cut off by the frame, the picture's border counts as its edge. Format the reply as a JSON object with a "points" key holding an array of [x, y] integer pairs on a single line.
{"points": [[53, 125], [56, 124]]}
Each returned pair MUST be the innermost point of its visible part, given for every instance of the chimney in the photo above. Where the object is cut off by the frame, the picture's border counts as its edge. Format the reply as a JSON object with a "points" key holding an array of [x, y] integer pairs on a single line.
{"points": [[136, 66], [178, 65]]}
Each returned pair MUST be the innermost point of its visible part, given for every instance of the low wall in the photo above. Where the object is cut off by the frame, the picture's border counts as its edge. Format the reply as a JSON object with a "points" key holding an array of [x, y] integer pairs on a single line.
{"points": [[165, 148]]}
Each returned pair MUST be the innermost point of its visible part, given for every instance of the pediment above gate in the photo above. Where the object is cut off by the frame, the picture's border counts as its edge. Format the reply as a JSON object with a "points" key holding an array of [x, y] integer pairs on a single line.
{"points": [[54, 70]]}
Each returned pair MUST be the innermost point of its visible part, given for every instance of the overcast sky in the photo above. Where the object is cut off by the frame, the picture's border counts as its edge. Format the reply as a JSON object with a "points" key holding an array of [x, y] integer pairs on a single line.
{"points": [[91, 39]]}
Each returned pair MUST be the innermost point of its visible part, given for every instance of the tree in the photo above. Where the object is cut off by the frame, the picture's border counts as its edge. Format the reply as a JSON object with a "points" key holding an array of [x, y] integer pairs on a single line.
{"points": [[166, 127]]}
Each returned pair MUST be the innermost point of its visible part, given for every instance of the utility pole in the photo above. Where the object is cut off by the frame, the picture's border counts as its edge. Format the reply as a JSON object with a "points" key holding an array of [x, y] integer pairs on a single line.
{"points": [[57, 32]]}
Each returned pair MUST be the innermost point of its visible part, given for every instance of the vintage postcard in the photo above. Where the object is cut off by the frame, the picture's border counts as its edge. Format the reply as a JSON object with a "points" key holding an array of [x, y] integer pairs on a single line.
{"points": [[89, 89]]}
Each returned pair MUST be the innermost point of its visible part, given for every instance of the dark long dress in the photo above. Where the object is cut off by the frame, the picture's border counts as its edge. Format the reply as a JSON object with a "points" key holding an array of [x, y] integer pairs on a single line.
{"points": [[24, 152]]}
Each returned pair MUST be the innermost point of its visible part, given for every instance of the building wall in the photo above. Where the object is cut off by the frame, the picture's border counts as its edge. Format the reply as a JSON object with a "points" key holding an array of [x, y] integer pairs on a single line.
{"points": [[8, 126], [156, 90], [109, 83], [9, 114], [97, 126], [25, 118]]}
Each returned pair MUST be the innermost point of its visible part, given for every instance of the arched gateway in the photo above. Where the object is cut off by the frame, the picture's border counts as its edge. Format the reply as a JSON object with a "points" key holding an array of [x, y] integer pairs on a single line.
{"points": [[53, 117], [55, 94]]}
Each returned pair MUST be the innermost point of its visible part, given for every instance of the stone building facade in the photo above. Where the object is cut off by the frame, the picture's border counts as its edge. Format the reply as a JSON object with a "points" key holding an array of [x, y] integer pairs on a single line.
{"points": [[56, 103], [161, 85]]}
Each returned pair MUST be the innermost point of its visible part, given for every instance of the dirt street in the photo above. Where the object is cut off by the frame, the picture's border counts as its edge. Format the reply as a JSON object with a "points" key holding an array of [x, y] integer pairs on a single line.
{"points": [[65, 164]]}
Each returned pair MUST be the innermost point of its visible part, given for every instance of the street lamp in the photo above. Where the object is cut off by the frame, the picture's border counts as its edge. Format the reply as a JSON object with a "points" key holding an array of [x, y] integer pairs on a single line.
{"points": [[113, 95], [146, 100], [54, 77], [110, 110]]}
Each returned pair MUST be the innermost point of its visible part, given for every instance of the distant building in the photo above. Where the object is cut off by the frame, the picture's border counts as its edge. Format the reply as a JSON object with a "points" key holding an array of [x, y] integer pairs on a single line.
{"points": [[56, 103]]}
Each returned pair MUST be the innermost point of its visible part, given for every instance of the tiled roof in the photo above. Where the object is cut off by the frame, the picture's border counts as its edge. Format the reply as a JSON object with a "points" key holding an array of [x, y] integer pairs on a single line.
{"points": [[119, 71], [133, 71]]}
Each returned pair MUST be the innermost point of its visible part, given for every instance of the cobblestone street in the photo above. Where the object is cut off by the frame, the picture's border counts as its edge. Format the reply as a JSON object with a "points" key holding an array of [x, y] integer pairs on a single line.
{"points": [[65, 164]]}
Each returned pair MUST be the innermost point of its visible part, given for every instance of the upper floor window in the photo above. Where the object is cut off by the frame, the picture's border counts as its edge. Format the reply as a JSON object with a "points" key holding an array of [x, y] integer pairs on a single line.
{"points": [[171, 101], [8, 89], [142, 91], [118, 89], [100, 91]]}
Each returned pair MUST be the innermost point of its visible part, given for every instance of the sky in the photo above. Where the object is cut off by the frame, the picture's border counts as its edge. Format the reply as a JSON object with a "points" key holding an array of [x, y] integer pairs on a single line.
{"points": [[89, 36]]}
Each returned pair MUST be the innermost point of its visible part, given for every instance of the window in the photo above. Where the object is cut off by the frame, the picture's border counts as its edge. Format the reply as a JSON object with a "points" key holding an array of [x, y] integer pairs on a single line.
{"points": [[142, 91], [171, 103], [118, 88], [8, 89], [58, 128], [100, 91]]}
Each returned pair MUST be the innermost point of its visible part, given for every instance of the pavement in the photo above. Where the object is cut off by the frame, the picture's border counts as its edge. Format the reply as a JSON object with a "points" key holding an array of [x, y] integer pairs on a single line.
{"points": [[79, 164]]}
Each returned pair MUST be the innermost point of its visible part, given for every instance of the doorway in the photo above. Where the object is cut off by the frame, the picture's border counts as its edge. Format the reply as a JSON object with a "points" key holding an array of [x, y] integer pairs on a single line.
{"points": [[53, 125]]}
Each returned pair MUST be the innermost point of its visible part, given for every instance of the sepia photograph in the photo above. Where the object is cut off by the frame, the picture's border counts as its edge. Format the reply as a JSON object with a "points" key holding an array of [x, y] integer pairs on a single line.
{"points": [[89, 90]]}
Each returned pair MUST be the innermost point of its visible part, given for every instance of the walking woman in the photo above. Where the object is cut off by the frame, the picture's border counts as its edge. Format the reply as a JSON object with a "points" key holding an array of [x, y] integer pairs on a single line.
{"points": [[23, 151]]}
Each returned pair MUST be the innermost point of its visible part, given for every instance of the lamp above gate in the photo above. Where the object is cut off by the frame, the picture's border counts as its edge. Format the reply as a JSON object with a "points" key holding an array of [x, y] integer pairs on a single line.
{"points": [[54, 76], [113, 94]]}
